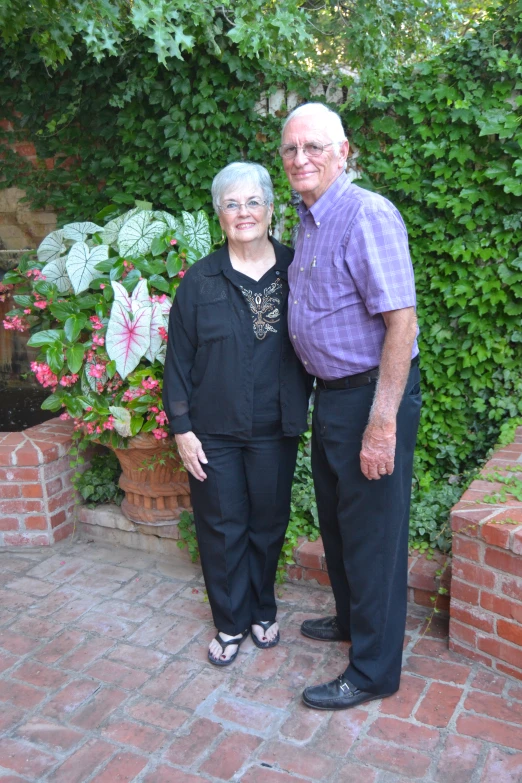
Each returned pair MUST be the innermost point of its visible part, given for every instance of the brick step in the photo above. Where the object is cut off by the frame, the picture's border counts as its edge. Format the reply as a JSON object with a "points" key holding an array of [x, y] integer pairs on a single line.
{"points": [[425, 576]]}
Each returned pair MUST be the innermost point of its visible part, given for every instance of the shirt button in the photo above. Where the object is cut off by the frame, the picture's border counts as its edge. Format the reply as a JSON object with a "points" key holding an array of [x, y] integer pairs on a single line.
{"points": [[318, 224], [302, 269], [305, 362], [308, 235], [294, 336], [295, 301]]}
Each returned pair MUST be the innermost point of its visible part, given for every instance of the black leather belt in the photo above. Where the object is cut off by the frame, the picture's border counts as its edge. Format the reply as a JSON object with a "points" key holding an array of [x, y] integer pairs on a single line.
{"points": [[357, 380]]}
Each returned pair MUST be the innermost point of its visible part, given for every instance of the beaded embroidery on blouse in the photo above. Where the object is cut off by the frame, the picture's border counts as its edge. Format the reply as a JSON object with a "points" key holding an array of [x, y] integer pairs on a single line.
{"points": [[265, 308]]}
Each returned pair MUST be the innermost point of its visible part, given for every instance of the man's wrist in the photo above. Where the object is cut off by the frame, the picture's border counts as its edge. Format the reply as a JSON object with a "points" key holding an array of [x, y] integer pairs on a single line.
{"points": [[381, 426]]}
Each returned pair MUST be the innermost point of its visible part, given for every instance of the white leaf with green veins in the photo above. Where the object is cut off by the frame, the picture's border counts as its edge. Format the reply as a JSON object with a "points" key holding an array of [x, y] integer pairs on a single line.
{"points": [[112, 228], [56, 272], [79, 232], [169, 219], [197, 232], [136, 235], [122, 420], [81, 263], [51, 247]]}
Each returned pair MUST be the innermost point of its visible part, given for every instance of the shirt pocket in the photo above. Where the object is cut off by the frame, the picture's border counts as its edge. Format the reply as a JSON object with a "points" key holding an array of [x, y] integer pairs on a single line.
{"points": [[213, 321], [323, 288]]}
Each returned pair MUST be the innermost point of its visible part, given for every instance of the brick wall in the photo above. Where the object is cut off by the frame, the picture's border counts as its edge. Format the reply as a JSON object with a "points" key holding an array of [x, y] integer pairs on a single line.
{"points": [[486, 588], [37, 500], [425, 576]]}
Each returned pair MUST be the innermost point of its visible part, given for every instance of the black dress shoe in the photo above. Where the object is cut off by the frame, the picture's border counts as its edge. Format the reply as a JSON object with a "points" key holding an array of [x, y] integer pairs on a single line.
{"points": [[325, 629], [338, 694]]}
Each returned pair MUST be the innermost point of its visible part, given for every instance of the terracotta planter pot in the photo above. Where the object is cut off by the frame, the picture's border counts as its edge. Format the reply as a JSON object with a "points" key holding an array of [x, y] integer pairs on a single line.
{"points": [[155, 493]]}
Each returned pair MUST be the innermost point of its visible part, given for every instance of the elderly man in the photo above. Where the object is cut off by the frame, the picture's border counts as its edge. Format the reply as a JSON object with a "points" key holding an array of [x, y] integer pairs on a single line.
{"points": [[353, 325]]}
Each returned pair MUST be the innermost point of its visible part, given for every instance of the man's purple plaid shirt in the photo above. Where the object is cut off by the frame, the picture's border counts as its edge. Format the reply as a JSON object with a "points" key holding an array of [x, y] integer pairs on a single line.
{"points": [[351, 263]]}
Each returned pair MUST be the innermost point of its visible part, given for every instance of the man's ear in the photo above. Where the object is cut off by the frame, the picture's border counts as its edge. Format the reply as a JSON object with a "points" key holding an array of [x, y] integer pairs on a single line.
{"points": [[344, 149]]}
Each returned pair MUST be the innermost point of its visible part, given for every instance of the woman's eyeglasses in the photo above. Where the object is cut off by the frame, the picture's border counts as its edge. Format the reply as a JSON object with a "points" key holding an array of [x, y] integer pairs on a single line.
{"points": [[233, 207]]}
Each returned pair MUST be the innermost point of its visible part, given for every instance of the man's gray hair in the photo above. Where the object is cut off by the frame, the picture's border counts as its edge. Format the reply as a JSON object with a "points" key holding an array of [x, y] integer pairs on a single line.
{"points": [[332, 122], [236, 174]]}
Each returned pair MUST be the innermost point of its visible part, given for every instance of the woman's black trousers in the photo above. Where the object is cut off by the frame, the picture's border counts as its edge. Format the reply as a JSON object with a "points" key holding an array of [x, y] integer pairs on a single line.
{"points": [[241, 513]]}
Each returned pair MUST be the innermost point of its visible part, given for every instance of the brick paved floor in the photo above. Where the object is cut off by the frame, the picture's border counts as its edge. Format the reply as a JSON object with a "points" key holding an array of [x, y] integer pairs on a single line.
{"points": [[104, 679]]}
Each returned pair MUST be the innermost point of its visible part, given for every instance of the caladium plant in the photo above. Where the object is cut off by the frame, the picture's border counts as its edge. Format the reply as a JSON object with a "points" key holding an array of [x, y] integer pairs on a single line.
{"points": [[96, 299]]}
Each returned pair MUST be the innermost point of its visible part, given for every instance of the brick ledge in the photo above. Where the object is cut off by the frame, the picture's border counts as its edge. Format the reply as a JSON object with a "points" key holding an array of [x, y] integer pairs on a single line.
{"points": [[423, 581]]}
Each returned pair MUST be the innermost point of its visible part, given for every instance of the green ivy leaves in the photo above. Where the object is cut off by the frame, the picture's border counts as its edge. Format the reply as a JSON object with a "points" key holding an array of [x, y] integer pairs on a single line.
{"points": [[443, 143]]}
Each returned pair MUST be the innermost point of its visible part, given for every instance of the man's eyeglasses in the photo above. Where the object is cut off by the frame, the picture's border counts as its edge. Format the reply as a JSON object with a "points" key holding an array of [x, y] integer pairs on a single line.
{"points": [[233, 207], [312, 149]]}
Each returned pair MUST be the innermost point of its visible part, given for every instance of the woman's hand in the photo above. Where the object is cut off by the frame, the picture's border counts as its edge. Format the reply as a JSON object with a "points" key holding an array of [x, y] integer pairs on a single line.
{"points": [[192, 454]]}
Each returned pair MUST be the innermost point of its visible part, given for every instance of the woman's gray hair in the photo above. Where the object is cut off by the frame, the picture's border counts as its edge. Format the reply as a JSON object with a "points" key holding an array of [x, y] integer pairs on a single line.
{"points": [[236, 174], [332, 122]]}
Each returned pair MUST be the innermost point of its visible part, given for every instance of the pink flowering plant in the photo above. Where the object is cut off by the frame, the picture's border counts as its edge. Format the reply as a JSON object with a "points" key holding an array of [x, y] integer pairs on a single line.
{"points": [[96, 300]]}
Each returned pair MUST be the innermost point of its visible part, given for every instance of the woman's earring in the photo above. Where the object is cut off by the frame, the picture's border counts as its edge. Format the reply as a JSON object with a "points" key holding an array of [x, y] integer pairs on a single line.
{"points": [[222, 236], [269, 231]]}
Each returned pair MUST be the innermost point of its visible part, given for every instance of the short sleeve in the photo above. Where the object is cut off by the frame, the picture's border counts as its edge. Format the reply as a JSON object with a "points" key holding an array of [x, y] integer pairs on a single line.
{"points": [[378, 257]]}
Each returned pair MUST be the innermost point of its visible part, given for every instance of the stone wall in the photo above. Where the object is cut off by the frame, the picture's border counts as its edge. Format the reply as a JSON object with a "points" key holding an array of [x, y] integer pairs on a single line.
{"points": [[21, 228]]}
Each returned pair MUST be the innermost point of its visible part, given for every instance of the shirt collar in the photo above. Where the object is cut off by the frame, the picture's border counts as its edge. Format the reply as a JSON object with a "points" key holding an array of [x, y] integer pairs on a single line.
{"points": [[324, 204], [219, 261]]}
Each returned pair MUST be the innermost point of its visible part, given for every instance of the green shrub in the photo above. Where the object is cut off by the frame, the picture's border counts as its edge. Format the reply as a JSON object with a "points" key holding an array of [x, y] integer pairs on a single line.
{"points": [[99, 483]]}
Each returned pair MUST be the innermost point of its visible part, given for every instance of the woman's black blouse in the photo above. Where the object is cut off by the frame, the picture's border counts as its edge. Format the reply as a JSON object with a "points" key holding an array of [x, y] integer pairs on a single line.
{"points": [[210, 372]]}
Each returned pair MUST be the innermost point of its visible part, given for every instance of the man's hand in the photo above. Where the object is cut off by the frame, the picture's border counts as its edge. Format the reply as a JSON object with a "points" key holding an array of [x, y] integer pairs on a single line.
{"points": [[378, 452], [378, 443], [192, 454]]}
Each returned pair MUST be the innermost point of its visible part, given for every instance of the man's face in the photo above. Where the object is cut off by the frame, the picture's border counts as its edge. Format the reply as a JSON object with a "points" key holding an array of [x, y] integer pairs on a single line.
{"points": [[311, 177]]}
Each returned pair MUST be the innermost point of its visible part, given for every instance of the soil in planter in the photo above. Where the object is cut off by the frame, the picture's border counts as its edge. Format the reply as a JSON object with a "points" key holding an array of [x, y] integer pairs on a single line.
{"points": [[20, 407]]}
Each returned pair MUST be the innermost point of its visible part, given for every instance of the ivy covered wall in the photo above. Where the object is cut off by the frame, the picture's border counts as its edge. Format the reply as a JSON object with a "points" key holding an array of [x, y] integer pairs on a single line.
{"points": [[444, 143], [130, 128]]}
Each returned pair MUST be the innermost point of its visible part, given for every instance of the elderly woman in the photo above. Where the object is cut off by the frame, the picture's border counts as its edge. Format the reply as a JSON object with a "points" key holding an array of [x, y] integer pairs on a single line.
{"points": [[236, 397]]}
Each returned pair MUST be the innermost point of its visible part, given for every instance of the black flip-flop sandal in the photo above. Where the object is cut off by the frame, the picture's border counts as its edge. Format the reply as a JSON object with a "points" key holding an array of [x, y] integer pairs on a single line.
{"points": [[265, 626], [239, 641]]}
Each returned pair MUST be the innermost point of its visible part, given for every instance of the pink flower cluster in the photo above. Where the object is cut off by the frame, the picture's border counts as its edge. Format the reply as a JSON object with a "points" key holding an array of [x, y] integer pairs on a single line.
{"points": [[97, 370], [161, 418], [68, 380], [15, 323], [114, 384], [162, 333], [131, 394], [5, 290], [96, 323], [64, 416], [159, 434], [44, 375], [150, 384], [35, 274], [97, 340], [158, 298], [109, 424], [128, 267], [40, 303]]}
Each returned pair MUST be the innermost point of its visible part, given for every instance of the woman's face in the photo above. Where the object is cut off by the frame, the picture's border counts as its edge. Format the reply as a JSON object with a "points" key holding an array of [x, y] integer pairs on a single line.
{"points": [[246, 223]]}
